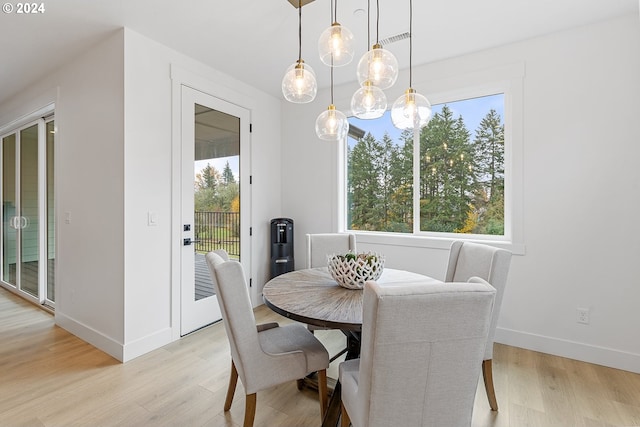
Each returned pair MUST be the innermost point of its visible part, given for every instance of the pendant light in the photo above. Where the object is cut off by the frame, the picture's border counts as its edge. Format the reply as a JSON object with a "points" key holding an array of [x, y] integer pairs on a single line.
{"points": [[368, 102], [335, 45], [378, 65], [299, 83], [332, 124], [411, 110]]}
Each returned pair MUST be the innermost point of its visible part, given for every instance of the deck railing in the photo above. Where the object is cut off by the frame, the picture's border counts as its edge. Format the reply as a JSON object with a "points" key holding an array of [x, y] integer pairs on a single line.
{"points": [[217, 230]]}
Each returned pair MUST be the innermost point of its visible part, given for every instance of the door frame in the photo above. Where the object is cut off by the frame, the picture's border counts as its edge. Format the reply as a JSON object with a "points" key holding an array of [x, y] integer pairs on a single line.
{"points": [[182, 77], [40, 118]]}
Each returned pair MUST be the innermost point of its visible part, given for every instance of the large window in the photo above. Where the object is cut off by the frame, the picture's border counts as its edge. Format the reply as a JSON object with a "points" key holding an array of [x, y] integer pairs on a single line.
{"points": [[456, 184]]}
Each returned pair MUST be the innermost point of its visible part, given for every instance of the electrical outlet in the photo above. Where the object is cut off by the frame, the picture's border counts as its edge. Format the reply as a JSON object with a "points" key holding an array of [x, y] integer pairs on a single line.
{"points": [[583, 315]]}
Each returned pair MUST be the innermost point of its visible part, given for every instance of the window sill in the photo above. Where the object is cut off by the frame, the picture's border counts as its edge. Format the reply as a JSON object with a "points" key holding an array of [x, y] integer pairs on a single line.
{"points": [[431, 242]]}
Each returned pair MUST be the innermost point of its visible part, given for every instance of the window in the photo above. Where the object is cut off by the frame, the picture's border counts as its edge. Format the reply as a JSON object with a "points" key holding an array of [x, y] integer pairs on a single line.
{"points": [[461, 179], [459, 175]]}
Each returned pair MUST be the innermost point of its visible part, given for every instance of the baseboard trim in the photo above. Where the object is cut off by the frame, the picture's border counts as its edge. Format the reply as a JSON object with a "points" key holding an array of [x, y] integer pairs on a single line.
{"points": [[117, 350], [97, 339], [570, 349], [146, 344]]}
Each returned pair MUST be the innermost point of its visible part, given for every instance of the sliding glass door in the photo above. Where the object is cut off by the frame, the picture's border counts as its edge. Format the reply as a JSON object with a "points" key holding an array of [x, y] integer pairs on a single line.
{"points": [[28, 237]]}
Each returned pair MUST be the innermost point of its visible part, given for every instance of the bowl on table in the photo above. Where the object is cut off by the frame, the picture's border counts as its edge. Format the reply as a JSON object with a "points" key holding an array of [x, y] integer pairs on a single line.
{"points": [[351, 270]]}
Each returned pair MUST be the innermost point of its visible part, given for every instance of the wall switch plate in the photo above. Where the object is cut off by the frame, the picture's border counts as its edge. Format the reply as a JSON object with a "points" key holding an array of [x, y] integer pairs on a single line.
{"points": [[152, 218]]}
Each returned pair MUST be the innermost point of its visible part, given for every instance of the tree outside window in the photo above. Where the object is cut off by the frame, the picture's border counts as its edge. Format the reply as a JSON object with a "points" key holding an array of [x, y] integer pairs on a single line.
{"points": [[460, 174]]}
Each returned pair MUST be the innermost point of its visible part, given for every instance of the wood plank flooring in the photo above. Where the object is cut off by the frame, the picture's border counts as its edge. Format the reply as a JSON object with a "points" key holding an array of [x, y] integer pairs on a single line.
{"points": [[49, 377]]}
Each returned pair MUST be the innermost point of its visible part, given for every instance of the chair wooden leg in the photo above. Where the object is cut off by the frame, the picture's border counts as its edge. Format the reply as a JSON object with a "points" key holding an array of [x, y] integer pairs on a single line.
{"points": [[322, 392], [233, 380], [345, 421], [487, 374], [250, 410]]}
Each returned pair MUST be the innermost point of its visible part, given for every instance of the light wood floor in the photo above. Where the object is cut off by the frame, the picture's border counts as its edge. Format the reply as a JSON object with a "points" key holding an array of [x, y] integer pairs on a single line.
{"points": [[51, 378]]}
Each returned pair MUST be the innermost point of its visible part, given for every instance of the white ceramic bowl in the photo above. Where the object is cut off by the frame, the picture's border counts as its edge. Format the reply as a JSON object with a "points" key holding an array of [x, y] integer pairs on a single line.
{"points": [[353, 270]]}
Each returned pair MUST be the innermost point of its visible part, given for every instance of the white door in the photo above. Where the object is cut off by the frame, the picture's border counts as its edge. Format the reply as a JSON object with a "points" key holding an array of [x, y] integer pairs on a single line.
{"points": [[215, 198]]}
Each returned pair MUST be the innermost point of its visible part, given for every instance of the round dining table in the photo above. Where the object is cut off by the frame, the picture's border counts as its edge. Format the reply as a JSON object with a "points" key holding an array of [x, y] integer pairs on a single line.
{"points": [[312, 296]]}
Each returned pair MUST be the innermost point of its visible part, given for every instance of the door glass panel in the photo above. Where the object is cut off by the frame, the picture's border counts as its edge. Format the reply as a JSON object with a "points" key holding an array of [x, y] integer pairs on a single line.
{"points": [[9, 225], [217, 195], [28, 222], [50, 213]]}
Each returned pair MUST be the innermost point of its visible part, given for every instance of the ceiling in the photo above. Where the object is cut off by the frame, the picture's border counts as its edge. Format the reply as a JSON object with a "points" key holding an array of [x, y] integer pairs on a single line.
{"points": [[256, 40]]}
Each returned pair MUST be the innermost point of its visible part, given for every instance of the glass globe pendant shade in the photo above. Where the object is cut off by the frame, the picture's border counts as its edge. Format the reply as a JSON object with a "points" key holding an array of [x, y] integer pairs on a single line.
{"points": [[369, 102], [335, 46], [410, 110], [299, 83], [332, 125], [379, 66]]}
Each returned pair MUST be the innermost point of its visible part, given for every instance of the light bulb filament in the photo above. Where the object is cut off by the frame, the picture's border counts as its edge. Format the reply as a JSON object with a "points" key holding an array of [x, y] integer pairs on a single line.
{"points": [[336, 40], [410, 109], [332, 123]]}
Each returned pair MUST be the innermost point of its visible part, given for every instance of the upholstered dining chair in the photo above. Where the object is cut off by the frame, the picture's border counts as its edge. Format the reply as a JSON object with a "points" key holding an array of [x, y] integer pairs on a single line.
{"points": [[467, 259], [322, 244], [421, 349], [266, 355]]}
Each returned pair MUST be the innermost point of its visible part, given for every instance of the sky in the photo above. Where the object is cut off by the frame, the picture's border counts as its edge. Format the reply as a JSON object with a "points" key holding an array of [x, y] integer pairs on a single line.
{"points": [[472, 111]]}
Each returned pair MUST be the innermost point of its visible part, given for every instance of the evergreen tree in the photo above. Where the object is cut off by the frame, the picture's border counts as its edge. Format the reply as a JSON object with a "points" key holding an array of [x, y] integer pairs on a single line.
{"points": [[209, 176], [206, 187], [489, 146], [446, 173], [401, 203], [384, 166], [227, 174], [364, 184]]}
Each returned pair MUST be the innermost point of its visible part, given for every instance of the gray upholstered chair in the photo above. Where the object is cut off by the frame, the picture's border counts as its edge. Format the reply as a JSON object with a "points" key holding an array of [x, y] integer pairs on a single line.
{"points": [[323, 244], [222, 254], [422, 345], [266, 355], [467, 259]]}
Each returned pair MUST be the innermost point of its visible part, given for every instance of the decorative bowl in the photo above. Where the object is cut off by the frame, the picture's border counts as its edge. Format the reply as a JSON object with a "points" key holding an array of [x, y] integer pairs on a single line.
{"points": [[351, 270]]}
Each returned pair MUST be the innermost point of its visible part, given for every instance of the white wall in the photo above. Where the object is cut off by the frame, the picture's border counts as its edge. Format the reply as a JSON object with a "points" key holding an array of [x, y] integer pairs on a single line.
{"points": [[152, 296], [581, 190], [89, 98], [115, 277]]}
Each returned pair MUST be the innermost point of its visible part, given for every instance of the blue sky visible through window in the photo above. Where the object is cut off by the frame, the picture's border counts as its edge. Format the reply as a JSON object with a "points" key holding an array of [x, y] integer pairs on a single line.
{"points": [[472, 111]]}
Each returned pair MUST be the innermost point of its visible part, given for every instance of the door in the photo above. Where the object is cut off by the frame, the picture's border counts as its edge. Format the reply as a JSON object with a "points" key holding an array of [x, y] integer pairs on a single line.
{"points": [[215, 198], [28, 238]]}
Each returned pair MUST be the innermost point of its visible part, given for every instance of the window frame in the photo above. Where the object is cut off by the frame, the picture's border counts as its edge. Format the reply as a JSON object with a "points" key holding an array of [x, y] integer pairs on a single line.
{"points": [[508, 80]]}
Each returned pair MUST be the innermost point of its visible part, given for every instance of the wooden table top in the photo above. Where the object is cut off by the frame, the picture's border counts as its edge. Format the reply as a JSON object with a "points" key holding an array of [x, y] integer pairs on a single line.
{"points": [[312, 296]]}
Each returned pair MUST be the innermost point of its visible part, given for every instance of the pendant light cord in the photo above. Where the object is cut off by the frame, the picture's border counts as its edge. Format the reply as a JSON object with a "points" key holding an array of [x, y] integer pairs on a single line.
{"points": [[332, 20], [377, 21], [410, 41], [331, 79], [334, 11], [368, 25], [299, 30]]}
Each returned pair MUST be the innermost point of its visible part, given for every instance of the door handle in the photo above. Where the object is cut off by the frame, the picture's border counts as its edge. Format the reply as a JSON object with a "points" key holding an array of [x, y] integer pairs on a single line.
{"points": [[24, 222], [16, 222], [188, 241]]}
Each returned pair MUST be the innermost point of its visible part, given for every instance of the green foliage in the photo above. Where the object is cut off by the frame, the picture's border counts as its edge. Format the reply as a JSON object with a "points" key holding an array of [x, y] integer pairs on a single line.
{"points": [[227, 175], [461, 180], [380, 185], [215, 192]]}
